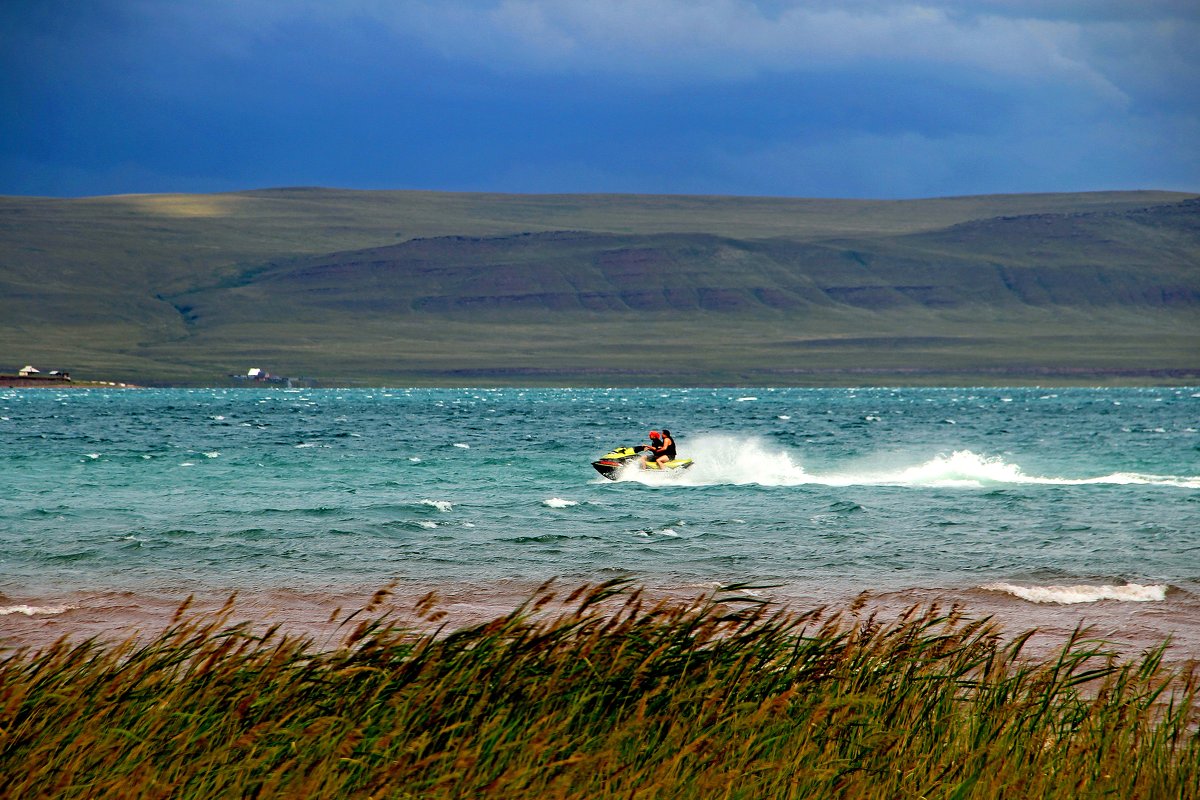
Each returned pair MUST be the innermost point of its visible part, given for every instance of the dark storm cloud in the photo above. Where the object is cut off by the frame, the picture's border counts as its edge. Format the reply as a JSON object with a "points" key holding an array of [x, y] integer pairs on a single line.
{"points": [[713, 96]]}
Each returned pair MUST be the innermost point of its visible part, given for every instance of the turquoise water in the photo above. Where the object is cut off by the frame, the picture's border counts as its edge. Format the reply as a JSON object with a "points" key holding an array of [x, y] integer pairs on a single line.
{"points": [[1060, 496]]}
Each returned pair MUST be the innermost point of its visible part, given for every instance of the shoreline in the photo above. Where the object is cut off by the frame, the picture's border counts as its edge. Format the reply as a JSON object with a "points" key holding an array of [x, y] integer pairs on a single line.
{"points": [[11, 382], [35, 622], [1060, 378]]}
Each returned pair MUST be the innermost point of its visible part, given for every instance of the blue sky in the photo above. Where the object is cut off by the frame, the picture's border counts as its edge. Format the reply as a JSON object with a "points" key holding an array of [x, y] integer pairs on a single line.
{"points": [[859, 98]]}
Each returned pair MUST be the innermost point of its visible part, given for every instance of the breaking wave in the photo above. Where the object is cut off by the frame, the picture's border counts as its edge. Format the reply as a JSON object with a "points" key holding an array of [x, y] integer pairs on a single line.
{"points": [[30, 611], [558, 502], [1069, 595]]}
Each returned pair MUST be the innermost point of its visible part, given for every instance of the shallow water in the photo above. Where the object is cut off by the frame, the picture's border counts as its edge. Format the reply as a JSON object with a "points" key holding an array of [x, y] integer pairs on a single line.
{"points": [[1043, 506]]}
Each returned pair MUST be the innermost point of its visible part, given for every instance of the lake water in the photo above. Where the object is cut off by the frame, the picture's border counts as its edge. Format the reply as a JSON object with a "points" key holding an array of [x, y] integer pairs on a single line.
{"points": [[1043, 507]]}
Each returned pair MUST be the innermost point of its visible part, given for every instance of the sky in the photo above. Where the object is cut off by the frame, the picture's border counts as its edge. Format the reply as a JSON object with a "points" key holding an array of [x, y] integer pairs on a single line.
{"points": [[791, 98]]}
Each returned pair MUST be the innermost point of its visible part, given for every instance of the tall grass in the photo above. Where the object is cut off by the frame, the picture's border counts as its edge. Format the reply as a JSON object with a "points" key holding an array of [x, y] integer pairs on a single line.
{"points": [[600, 694]]}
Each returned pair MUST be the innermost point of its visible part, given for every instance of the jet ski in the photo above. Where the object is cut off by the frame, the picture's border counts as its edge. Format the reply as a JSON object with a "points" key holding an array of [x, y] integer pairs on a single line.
{"points": [[610, 464]]}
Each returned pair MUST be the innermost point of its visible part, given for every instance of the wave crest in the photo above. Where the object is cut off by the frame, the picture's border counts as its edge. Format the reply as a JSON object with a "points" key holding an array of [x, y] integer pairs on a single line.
{"points": [[1070, 595], [30, 611]]}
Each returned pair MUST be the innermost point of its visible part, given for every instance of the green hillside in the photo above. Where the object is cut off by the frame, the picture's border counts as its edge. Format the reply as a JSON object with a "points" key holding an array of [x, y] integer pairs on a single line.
{"points": [[369, 288]]}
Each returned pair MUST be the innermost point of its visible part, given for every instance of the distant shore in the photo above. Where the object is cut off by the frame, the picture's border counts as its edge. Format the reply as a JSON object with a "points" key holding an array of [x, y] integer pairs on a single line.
{"points": [[633, 379], [30, 382], [438, 289]]}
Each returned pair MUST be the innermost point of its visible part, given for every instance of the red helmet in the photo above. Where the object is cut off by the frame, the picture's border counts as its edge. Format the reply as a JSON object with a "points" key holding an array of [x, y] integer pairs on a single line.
{"points": [[655, 435]]}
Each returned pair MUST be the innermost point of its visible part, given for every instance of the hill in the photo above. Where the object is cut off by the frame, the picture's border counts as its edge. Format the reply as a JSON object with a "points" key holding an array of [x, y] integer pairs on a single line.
{"points": [[437, 288]]}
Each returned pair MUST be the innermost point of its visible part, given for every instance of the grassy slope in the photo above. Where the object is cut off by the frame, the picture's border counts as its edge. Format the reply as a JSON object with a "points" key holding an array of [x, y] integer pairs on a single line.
{"points": [[703, 289]]}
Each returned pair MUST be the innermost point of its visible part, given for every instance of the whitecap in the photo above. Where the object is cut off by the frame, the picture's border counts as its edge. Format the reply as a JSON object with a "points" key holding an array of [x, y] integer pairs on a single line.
{"points": [[425, 523], [463, 446], [92, 456], [785, 416], [440, 505], [415, 459], [212, 454], [745, 399], [558, 502], [1069, 595], [187, 464], [29, 611]]}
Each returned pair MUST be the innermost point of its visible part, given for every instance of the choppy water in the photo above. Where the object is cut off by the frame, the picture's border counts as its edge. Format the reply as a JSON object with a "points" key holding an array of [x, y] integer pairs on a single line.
{"points": [[1030, 497]]}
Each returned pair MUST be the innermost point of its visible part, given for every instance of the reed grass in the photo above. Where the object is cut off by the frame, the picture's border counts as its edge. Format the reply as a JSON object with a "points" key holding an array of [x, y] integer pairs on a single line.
{"points": [[603, 693]]}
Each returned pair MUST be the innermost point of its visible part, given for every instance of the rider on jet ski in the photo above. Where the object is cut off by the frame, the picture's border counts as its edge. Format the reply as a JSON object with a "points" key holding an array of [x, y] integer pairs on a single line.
{"points": [[662, 448]]}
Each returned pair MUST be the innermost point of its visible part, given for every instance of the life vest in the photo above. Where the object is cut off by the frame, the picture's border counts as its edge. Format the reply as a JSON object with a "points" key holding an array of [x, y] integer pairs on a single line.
{"points": [[668, 448]]}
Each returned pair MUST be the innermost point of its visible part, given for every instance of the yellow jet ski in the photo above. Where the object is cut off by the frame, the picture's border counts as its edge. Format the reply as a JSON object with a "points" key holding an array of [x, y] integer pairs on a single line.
{"points": [[610, 464]]}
